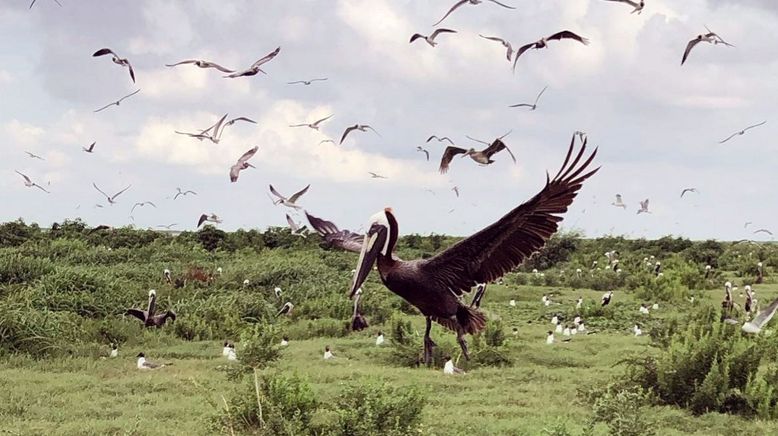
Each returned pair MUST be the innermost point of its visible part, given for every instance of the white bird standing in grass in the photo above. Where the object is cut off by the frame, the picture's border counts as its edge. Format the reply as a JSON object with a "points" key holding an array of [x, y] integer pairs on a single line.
{"points": [[145, 364], [579, 303], [231, 356], [449, 368], [512, 303], [558, 328], [566, 331], [555, 320], [379, 340], [581, 327], [246, 282], [328, 354], [637, 330], [285, 341], [114, 350], [550, 338], [226, 349], [544, 299]]}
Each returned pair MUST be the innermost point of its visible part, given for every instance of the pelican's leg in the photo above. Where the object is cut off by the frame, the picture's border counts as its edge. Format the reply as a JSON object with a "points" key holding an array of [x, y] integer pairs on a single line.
{"points": [[428, 343], [462, 343]]}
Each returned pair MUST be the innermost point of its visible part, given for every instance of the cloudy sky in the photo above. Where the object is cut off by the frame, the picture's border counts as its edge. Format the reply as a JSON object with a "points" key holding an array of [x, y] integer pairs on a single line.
{"points": [[657, 124]]}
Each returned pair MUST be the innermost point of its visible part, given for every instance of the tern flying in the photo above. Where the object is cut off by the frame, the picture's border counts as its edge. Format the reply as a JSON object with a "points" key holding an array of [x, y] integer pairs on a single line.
{"points": [[29, 183], [117, 102], [242, 164], [543, 43], [295, 229], [763, 231], [291, 201], [426, 153], [202, 64], [89, 149], [619, 202], [643, 207], [504, 43], [141, 204], [483, 157], [116, 59], [360, 127], [689, 190], [742, 132], [441, 139], [534, 105], [111, 198], [182, 192], [638, 6], [709, 37], [756, 325], [460, 3], [34, 156], [314, 125], [376, 176], [255, 67], [431, 38], [306, 82]]}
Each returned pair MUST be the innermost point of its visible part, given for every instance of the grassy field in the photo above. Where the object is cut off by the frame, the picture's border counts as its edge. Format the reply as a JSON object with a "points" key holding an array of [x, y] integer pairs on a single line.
{"points": [[89, 395]]}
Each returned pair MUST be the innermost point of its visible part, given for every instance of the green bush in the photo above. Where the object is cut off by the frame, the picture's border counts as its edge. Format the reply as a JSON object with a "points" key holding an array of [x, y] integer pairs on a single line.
{"points": [[17, 268], [624, 411], [368, 409]]}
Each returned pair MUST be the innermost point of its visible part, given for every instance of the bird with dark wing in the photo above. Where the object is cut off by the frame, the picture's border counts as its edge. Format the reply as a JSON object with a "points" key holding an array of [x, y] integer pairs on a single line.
{"points": [[256, 66], [116, 59], [543, 43], [210, 218], [360, 127], [430, 39], [149, 317], [448, 156], [685, 190], [202, 64], [89, 149], [710, 38], [242, 164], [441, 139], [637, 6], [460, 3], [506, 44], [426, 153], [291, 201]]}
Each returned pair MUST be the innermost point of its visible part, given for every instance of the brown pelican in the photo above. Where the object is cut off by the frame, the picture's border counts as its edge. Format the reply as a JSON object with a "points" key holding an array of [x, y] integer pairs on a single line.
{"points": [[111, 198], [728, 304], [255, 67], [742, 132], [504, 43], [314, 125], [441, 139], [182, 192], [637, 5], [483, 157], [117, 102], [435, 285], [286, 309], [34, 156], [29, 183], [211, 218], [749, 299], [116, 59], [360, 127], [242, 164], [689, 190], [291, 201], [202, 64], [709, 37], [431, 38], [90, 148], [543, 43], [149, 316], [534, 105], [756, 325], [306, 82], [426, 153], [472, 2]]}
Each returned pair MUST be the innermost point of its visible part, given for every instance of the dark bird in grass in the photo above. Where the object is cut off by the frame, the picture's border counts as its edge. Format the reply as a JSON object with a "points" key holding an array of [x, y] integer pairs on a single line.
{"points": [[34, 156], [255, 67], [483, 157], [709, 37], [606, 298], [636, 5], [117, 102], [504, 43], [286, 309], [314, 125], [89, 149], [460, 3], [358, 321], [111, 198], [242, 164], [141, 204], [360, 127], [55, 1], [543, 43], [30, 184], [182, 192], [291, 201], [202, 64], [376, 176], [306, 82], [116, 59], [295, 228], [431, 38], [98, 228], [742, 132], [688, 190], [435, 285], [534, 105], [763, 231], [210, 218], [149, 316], [426, 153], [441, 139]]}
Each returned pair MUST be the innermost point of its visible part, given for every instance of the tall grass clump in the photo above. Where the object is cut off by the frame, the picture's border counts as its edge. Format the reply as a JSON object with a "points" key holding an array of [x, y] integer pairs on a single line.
{"points": [[367, 409]]}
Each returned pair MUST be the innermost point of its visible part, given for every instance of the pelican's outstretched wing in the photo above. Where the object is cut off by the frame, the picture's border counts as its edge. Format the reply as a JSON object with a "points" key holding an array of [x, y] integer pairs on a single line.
{"points": [[343, 239], [137, 313]]}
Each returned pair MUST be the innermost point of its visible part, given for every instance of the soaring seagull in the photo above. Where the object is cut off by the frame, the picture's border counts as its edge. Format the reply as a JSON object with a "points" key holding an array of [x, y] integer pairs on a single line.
{"points": [[543, 43], [376, 176], [643, 207], [202, 64], [255, 67], [314, 125], [141, 204], [534, 105], [91, 147], [29, 183], [182, 192], [430, 39], [116, 59], [34, 156], [242, 164], [440, 139], [435, 285], [306, 82], [295, 228], [117, 102], [756, 325], [619, 202], [360, 127], [426, 153], [742, 132], [111, 198], [460, 3], [709, 37], [291, 201], [688, 190], [637, 6], [506, 44]]}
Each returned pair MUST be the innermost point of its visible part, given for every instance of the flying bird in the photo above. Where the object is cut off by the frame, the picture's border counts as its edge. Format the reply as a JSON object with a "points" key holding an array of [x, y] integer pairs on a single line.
{"points": [[444, 138], [34, 156], [141, 204], [689, 190], [747, 223], [326, 140], [314, 125], [534, 105], [360, 127], [376, 176], [763, 231], [182, 192], [255, 67], [456, 191], [167, 226], [149, 317], [431, 38], [29, 183], [709, 37], [483, 157], [643, 207], [619, 202], [306, 82], [460, 3], [291, 201], [504, 43], [426, 153], [759, 321], [111, 198], [742, 132], [89, 149], [55, 1], [242, 164], [543, 43], [294, 227], [116, 59], [435, 285], [202, 64], [210, 218], [637, 6], [117, 102]]}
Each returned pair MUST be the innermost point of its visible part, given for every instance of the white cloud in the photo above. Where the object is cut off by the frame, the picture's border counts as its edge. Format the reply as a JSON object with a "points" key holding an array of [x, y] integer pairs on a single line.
{"points": [[23, 133]]}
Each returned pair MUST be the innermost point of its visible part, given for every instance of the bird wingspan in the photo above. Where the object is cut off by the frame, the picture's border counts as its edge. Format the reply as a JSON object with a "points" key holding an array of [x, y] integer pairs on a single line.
{"points": [[265, 59], [500, 247], [298, 194], [248, 155], [566, 34], [521, 50], [453, 8], [766, 314], [448, 155], [276, 193], [343, 239], [104, 51], [137, 313], [689, 48]]}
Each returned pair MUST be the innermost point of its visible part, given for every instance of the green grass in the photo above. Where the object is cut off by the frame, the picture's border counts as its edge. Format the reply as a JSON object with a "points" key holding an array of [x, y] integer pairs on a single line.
{"points": [[88, 395]]}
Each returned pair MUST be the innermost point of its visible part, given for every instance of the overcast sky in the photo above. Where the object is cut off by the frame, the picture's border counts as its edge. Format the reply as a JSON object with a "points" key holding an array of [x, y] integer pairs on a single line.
{"points": [[657, 124]]}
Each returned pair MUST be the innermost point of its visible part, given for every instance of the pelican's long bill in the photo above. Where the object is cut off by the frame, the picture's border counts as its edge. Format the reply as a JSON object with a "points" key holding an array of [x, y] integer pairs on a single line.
{"points": [[374, 243]]}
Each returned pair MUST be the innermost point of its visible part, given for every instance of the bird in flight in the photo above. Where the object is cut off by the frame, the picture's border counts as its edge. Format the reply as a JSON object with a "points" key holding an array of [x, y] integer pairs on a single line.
{"points": [[759, 321], [182, 192], [167, 226], [460, 3], [291, 201], [314, 125], [543, 43], [29, 183], [117, 102], [376, 176], [202, 64], [295, 228], [116, 59], [255, 67], [534, 105], [111, 198], [55, 1], [643, 207], [483, 157], [306, 82], [34, 156], [141, 204], [360, 127], [619, 202], [689, 190], [506, 44], [89, 149], [456, 190], [637, 6], [210, 218], [431, 38], [426, 153], [242, 164], [742, 132], [709, 37], [441, 139], [763, 231], [326, 140]]}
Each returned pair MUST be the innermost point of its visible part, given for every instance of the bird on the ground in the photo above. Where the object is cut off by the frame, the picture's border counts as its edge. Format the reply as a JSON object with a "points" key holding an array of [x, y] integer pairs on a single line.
{"points": [[472, 2], [550, 337], [306, 82], [149, 317], [34, 156], [295, 228], [636, 330], [277, 292], [606, 298], [709, 37], [534, 105], [91, 147], [449, 368], [111, 198], [757, 324], [116, 59], [210, 218], [643, 207], [202, 64], [284, 341], [255, 67], [114, 350], [619, 202], [117, 102], [145, 364], [504, 43], [430, 39], [483, 157], [328, 353], [741, 132], [376, 176], [688, 190], [314, 125], [29, 183], [141, 204], [543, 43], [226, 349], [360, 127], [636, 5], [426, 153], [440, 139], [379, 339], [286, 309], [182, 192], [242, 163], [231, 356], [291, 201]]}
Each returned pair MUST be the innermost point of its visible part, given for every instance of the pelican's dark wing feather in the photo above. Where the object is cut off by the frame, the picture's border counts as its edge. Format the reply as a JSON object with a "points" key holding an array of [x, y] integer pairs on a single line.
{"points": [[343, 239], [448, 155], [496, 147], [521, 50], [566, 34], [502, 246], [104, 51], [137, 313]]}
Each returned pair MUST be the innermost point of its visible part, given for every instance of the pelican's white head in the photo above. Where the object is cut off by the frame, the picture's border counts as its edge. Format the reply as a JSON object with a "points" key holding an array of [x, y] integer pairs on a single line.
{"points": [[152, 293], [728, 285]]}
